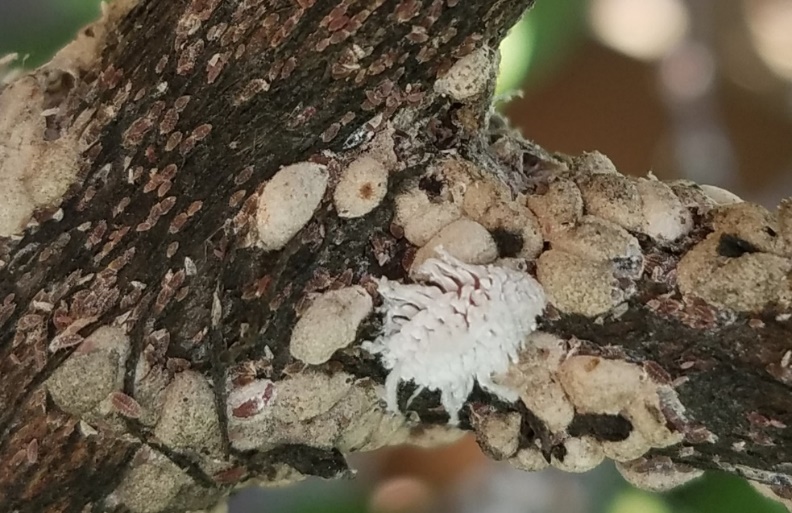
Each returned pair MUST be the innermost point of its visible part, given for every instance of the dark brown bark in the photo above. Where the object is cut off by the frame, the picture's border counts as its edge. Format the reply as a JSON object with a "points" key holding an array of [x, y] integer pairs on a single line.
{"points": [[147, 199]]}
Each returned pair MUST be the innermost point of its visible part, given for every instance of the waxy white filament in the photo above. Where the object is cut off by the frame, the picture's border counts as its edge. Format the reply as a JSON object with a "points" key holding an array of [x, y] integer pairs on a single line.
{"points": [[462, 323]]}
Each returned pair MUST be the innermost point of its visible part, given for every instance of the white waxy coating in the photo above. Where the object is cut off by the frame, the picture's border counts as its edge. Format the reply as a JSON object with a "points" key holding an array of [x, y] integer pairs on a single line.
{"points": [[559, 207], [498, 433], [189, 418], [598, 385], [665, 218], [288, 202], [91, 372], [533, 376], [462, 324], [362, 187], [656, 476], [469, 76], [720, 196], [582, 454], [422, 218], [745, 283], [34, 172], [330, 323], [594, 162], [529, 459], [308, 409], [464, 239], [598, 240], [613, 197], [152, 485], [752, 223], [616, 387], [578, 285], [634, 446], [485, 203]]}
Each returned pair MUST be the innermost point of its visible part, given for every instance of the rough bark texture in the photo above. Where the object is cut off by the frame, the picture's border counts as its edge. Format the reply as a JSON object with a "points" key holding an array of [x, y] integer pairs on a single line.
{"points": [[148, 350]]}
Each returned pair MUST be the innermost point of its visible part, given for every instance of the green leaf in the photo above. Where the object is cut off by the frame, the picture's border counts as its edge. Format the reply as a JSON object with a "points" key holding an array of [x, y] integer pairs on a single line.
{"points": [[46, 29], [540, 43]]}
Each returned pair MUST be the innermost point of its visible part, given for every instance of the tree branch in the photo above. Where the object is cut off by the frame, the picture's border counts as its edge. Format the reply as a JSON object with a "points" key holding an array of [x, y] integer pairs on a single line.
{"points": [[239, 236]]}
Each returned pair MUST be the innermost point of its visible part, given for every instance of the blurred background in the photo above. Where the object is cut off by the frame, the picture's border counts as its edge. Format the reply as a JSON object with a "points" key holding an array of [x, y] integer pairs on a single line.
{"points": [[697, 89]]}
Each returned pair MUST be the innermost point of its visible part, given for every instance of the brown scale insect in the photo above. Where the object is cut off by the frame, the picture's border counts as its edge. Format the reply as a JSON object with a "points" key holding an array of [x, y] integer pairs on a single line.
{"points": [[418, 35], [407, 10], [125, 405], [182, 294], [343, 280], [244, 175], [256, 289], [187, 145], [169, 121], [435, 10], [230, 476], [122, 205], [288, 67], [32, 451], [331, 132], [216, 31], [236, 198], [29, 322], [65, 341], [665, 306], [338, 12], [177, 223], [252, 88], [199, 336], [360, 18], [338, 23], [341, 70], [156, 109], [163, 189], [173, 141], [161, 63], [250, 399], [322, 45], [166, 205], [89, 194], [374, 98], [347, 118], [134, 135], [188, 57], [337, 37], [426, 54], [214, 67], [194, 207], [698, 314], [181, 102]]}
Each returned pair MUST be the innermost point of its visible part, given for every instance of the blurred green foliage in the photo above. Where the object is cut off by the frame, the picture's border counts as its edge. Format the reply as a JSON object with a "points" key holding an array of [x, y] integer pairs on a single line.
{"points": [[40, 27], [540, 43], [334, 507], [715, 492], [634, 501], [720, 493]]}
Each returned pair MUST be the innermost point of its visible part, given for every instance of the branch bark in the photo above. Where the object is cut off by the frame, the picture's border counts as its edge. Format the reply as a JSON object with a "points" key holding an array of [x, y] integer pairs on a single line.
{"points": [[201, 202]]}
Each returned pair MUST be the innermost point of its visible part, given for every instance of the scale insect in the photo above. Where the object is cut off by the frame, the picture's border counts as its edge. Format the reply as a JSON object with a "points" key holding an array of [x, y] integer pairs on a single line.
{"points": [[459, 324]]}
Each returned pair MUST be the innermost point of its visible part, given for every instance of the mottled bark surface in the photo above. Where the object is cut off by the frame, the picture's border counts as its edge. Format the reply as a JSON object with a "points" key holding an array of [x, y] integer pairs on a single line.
{"points": [[166, 137]]}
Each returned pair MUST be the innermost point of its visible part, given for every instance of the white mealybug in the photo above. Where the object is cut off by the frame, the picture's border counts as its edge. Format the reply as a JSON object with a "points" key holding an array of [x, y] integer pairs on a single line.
{"points": [[460, 324]]}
